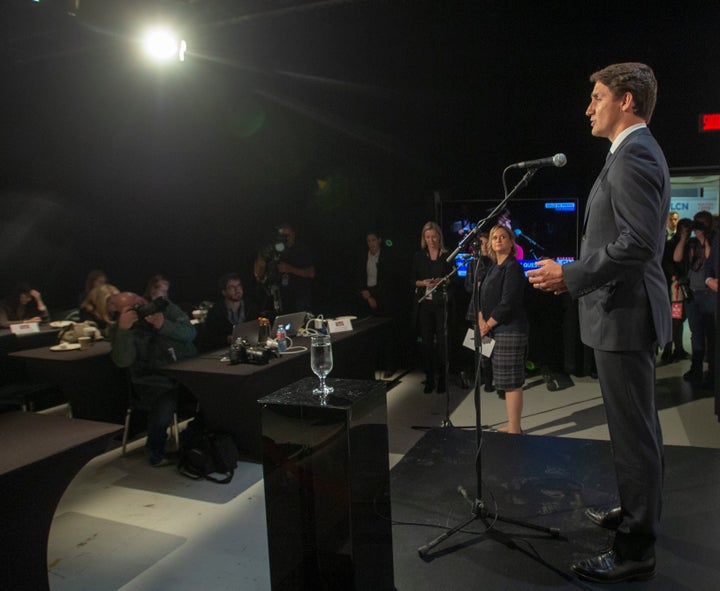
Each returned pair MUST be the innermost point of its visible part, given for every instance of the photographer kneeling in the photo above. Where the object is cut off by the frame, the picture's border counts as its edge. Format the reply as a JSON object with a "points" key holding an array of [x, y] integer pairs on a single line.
{"points": [[144, 337]]}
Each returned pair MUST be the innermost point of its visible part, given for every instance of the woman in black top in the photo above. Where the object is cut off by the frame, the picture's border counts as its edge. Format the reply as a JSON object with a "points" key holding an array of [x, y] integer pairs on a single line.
{"points": [[428, 269], [502, 316]]}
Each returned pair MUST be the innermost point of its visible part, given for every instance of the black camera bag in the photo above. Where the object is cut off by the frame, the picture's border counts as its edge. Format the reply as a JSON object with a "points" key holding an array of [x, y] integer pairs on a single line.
{"points": [[206, 454]]}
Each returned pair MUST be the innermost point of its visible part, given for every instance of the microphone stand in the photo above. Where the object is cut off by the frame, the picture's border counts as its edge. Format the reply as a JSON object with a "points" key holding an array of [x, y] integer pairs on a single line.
{"points": [[479, 509]]}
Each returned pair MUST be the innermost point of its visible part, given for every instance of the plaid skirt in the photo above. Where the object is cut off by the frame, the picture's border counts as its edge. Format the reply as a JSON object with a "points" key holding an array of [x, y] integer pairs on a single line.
{"points": [[508, 360]]}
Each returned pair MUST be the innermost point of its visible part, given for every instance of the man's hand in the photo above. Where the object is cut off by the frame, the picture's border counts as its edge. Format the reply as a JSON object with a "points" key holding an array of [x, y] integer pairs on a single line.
{"points": [[548, 277], [157, 320], [127, 318], [712, 283]]}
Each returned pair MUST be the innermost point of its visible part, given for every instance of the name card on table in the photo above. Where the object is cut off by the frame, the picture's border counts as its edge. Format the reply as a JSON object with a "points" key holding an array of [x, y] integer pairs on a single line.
{"points": [[339, 325], [25, 328]]}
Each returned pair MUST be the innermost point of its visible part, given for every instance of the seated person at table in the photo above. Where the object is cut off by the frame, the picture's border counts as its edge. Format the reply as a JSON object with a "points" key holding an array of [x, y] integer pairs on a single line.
{"points": [[158, 286], [144, 339], [94, 278], [95, 305], [24, 304], [232, 309]]}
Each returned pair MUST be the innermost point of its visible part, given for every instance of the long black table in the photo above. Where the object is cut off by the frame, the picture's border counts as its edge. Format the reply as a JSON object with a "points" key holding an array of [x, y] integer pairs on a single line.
{"points": [[10, 369], [228, 394], [94, 386], [39, 457]]}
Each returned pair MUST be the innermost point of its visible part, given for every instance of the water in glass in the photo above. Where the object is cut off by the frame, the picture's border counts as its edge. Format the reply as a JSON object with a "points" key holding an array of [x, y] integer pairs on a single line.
{"points": [[321, 361]]}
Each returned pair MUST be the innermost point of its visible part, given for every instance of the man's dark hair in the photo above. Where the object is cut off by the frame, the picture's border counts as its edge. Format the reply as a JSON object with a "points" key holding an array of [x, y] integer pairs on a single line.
{"points": [[225, 279], [635, 78]]}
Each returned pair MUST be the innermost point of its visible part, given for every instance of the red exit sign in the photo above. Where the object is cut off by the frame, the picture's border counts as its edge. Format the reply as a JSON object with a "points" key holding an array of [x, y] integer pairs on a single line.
{"points": [[710, 122]]}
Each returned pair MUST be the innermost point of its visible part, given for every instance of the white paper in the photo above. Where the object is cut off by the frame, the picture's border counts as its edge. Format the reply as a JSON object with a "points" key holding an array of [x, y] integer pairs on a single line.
{"points": [[339, 325], [25, 328], [487, 346], [469, 341]]}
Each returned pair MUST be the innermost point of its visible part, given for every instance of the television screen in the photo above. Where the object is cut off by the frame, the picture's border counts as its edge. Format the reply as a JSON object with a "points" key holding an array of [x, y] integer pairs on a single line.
{"points": [[543, 228]]}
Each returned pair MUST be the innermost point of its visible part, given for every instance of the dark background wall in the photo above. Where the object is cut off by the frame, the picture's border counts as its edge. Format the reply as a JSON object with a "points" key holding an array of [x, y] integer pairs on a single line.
{"points": [[338, 116]]}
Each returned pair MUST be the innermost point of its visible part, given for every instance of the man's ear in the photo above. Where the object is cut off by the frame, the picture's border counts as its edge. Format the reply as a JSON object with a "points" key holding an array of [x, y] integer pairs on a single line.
{"points": [[628, 102]]}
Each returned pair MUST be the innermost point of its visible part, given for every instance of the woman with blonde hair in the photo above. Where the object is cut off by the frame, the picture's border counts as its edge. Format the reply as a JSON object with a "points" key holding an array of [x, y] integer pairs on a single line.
{"points": [[95, 304], [502, 316], [428, 269]]}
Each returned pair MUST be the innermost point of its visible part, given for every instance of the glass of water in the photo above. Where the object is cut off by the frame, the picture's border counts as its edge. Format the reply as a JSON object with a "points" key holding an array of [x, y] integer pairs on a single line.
{"points": [[321, 362]]}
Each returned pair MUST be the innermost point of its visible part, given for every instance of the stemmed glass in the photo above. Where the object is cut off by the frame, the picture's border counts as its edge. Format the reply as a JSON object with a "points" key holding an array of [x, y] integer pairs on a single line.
{"points": [[321, 362]]}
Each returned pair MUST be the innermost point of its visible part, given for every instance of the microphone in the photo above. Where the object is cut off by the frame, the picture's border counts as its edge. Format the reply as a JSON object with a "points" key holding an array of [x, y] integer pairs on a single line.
{"points": [[557, 160], [519, 234]]}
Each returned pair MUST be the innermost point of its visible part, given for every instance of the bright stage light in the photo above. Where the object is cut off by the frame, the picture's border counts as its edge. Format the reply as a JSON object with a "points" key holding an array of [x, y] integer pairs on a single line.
{"points": [[163, 45]]}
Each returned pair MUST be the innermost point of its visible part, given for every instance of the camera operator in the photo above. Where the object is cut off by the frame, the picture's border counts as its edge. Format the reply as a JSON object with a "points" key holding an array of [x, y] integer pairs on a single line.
{"points": [[284, 271], [144, 337], [692, 253]]}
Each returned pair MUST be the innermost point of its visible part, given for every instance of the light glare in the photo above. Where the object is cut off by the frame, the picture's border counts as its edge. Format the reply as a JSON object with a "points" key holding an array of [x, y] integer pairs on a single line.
{"points": [[162, 45]]}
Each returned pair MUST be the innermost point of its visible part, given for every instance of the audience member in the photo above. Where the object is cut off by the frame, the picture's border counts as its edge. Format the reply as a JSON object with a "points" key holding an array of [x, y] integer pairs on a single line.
{"points": [[94, 278], [95, 305], [712, 266], [503, 317], [672, 222], [378, 291], [428, 269], [143, 339], [24, 304], [233, 308], [676, 278], [158, 286], [285, 271], [691, 252]]}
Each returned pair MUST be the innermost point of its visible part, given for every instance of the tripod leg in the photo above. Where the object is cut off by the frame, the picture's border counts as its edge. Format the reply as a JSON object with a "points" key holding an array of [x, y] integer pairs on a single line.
{"points": [[423, 550], [553, 531]]}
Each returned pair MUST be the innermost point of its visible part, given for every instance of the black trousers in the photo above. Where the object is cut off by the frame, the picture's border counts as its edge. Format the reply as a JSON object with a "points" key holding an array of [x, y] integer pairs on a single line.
{"points": [[432, 333], [627, 382]]}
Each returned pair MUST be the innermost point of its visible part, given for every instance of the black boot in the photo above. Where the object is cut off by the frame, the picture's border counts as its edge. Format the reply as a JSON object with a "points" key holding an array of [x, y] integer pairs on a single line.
{"points": [[695, 374]]}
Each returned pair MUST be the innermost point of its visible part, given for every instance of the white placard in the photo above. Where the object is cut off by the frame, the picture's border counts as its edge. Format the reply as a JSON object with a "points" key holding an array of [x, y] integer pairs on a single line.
{"points": [[25, 328], [339, 325], [486, 346], [469, 341]]}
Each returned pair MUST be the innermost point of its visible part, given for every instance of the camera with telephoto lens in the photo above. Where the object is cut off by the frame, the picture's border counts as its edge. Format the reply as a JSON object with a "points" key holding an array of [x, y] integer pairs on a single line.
{"points": [[157, 305]]}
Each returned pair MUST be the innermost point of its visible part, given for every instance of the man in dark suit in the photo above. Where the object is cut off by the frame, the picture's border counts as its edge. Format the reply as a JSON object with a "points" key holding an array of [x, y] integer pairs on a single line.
{"points": [[624, 309]]}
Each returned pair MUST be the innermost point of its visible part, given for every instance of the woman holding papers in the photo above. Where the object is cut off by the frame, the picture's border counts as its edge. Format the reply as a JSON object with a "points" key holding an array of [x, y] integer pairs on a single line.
{"points": [[503, 318]]}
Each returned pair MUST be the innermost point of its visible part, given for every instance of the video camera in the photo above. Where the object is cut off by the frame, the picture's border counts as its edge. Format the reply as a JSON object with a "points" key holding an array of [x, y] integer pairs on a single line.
{"points": [[274, 250], [157, 305]]}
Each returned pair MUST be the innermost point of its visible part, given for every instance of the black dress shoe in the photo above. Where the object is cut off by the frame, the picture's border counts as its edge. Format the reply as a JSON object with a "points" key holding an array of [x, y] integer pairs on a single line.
{"points": [[429, 387], [607, 518], [609, 567]]}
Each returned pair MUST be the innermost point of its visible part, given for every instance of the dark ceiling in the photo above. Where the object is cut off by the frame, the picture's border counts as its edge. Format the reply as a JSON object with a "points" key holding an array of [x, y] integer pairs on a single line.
{"points": [[339, 115]]}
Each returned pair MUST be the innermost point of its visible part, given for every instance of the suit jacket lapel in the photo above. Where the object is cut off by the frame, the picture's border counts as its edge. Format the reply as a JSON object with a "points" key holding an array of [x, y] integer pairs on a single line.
{"points": [[593, 192]]}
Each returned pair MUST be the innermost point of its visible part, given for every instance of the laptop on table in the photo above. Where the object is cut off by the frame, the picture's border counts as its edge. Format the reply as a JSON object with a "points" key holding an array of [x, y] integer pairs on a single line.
{"points": [[292, 323]]}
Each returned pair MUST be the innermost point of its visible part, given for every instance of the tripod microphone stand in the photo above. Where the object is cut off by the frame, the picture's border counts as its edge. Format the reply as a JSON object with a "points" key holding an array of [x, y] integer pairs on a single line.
{"points": [[479, 509]]}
